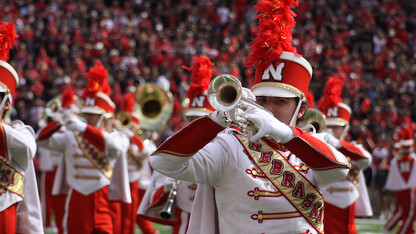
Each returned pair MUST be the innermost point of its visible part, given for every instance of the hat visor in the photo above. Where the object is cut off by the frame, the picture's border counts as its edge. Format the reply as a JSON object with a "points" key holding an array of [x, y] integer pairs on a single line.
{"points": [[197, 112], [92, 110], [274, 92], [335, 122]]}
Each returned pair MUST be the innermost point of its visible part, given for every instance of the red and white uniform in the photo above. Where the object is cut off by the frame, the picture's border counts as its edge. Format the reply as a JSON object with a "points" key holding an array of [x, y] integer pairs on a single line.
{"points": [[18, 147], [86, 182], [243, 197], [402, 180], [156, 196], [139, 173], [48, 164], [340, 197]]}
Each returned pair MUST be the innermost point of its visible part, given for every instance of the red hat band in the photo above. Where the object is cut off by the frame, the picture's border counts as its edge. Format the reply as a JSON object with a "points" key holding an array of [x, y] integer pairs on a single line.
{"points": [[287, 77], [338, 115], [8, 78], [99, 104], [198, 106]]}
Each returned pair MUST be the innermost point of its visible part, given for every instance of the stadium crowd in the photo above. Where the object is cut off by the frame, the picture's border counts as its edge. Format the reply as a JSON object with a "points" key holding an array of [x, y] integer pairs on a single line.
{"points": [[370, 44]]}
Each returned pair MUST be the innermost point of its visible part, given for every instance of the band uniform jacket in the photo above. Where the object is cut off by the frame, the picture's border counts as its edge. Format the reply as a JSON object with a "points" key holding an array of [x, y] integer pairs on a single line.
{"points": [[76, 170], [18, 150], [246, 201], [345, 192], [402, 174]]}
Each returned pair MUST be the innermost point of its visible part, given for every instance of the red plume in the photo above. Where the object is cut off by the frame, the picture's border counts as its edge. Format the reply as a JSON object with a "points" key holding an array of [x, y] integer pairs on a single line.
{"points": [[68, 98], [311, 99], [332, 94], [128, 103], [200, 77], [8, 38], [97, 79], [273, 33]]}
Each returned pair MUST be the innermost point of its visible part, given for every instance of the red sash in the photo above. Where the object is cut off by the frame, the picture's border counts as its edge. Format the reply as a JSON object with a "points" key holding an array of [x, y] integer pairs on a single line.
{"points": [[97, 158]]}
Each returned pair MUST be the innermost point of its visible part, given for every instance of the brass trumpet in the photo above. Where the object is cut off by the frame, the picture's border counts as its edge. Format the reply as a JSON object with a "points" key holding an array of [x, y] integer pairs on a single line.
{"points": [[124, 121], [225, 94], [53, 110]]}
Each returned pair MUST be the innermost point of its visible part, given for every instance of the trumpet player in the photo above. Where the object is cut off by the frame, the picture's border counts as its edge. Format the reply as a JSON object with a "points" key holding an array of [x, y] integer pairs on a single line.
{"points": [[19, 201], [175, 210], [90, 155], [269, 180], [342, 197], [49, 161]]}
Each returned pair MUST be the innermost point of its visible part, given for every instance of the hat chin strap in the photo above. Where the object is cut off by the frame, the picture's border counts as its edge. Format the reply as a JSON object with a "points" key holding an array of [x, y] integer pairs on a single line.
{"points": [[100, 120], [293, 120], [344, 132], [3, 102]]}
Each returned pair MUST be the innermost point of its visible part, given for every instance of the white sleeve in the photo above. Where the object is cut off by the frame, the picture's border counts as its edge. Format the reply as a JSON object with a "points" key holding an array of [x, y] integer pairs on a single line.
{"points": [[22, 144], [116, 143], [206, 166]]}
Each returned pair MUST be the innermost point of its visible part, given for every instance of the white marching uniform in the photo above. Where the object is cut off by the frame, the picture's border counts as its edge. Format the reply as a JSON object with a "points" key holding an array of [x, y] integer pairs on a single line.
{"points": [[80, 173], [347, 191], [246, 201], [17, 151]]}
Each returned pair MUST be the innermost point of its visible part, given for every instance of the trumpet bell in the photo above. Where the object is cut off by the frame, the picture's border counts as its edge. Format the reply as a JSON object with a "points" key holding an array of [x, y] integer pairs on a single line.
{"points": [[153, 107], [224, 92]]}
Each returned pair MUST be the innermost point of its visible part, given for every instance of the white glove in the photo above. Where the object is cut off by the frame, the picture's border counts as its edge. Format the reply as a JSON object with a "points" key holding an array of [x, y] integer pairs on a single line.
{"points": [[247, 94], [219, 118], [332, 140], [267, 124], [73, 123], [129, 133]]}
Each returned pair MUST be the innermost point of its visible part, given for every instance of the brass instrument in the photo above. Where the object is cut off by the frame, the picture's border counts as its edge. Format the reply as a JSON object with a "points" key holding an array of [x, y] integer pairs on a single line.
{"points": [[166, 212], [154, 106], [53, 110], [123, 121], [313, 121], [225, 94]]}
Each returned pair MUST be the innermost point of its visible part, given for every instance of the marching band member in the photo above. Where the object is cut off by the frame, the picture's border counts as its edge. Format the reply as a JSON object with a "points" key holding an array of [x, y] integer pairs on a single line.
{"points": [[90, 154], [20, 205], [341, 197], [269, 180], [139, 171], [49, 161], [401, 179], [183, 202]]}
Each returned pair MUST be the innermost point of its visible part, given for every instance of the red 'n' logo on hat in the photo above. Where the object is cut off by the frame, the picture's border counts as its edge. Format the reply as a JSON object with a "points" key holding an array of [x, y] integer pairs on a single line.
{"points": [[276, 73], [198, 101]]}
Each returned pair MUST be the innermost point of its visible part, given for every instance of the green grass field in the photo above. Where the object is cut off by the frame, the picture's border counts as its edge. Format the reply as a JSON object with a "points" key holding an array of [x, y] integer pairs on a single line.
{"points": [[364, 226]]}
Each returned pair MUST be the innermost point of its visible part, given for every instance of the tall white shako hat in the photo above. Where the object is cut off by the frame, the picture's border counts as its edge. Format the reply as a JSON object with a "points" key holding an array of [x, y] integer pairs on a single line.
{"points": [[197, 92], [9, 78], [336, 112], [280, 70], [97, 93]]}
